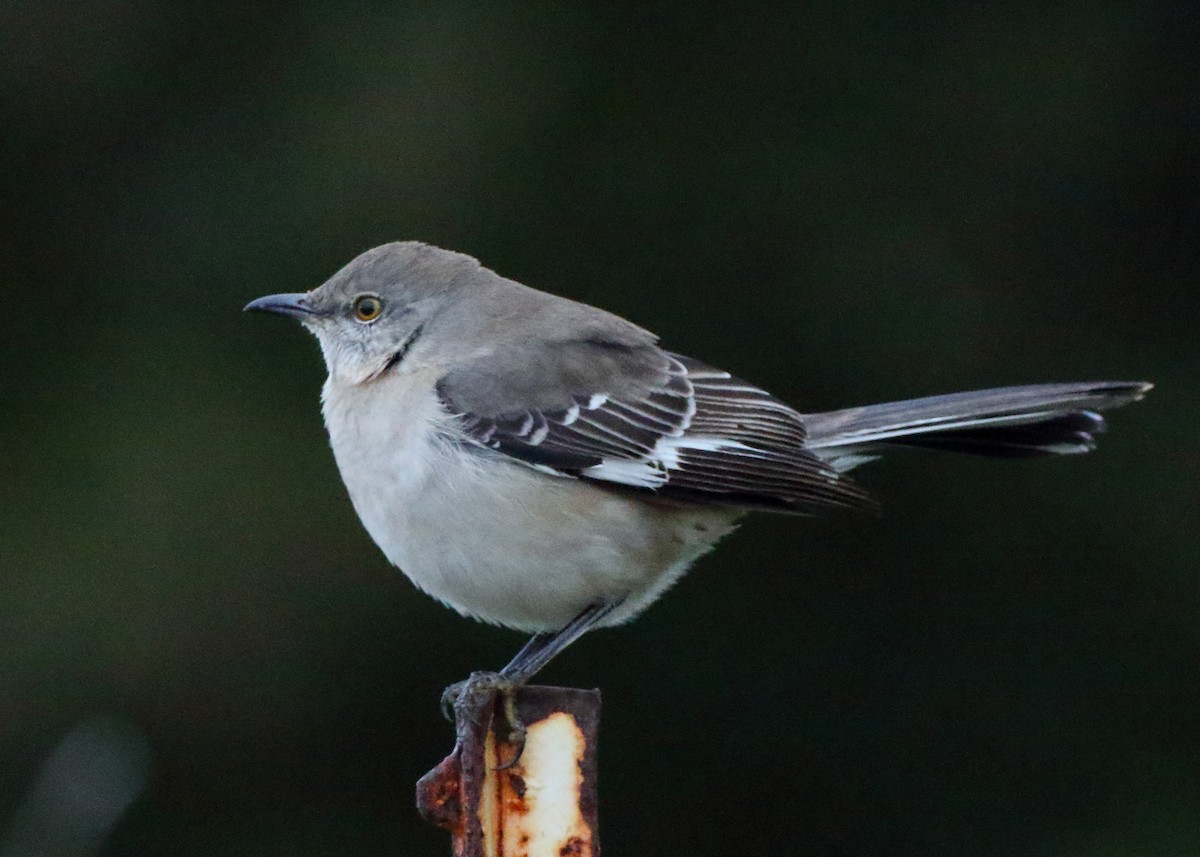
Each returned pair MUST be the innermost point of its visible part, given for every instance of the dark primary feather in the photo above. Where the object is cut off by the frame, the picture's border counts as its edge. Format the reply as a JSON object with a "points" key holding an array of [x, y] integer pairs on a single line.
{"points": [[673, 428], [1068, 433]]}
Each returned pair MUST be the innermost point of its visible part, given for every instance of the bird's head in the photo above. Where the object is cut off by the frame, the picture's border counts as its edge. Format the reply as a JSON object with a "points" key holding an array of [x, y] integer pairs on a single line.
{"points": [[370, 313]]}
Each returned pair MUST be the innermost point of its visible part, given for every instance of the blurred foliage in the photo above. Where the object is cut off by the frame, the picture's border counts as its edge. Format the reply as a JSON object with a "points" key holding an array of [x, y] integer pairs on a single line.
{"points": [[844, 202]]}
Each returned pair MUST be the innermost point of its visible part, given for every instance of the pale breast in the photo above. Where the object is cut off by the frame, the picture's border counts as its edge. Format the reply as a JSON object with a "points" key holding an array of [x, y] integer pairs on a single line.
{"points": [[383, 437]]}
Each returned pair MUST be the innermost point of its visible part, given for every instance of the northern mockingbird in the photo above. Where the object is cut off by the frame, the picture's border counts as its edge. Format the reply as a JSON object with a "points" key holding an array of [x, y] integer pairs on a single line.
{"points": [[541, 464]]}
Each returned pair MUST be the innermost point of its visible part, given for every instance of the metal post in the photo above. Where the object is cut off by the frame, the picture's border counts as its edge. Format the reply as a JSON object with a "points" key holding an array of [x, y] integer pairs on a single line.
{"points": [[544, 804]]}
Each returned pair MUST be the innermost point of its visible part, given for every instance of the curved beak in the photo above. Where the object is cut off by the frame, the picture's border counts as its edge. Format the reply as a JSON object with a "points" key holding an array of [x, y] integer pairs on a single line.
{"points": [[295, 305]]}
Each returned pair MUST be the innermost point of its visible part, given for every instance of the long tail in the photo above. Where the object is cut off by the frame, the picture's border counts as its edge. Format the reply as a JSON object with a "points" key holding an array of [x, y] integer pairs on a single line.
{"points": [[1007, 422]]}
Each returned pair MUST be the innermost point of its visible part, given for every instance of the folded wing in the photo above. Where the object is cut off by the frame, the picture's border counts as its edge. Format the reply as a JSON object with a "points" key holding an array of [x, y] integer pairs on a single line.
{"points": [[661, 424]]}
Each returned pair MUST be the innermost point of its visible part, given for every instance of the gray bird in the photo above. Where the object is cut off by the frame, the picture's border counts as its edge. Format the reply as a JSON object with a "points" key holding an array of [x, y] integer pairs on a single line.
{"points": [[544, 465]]}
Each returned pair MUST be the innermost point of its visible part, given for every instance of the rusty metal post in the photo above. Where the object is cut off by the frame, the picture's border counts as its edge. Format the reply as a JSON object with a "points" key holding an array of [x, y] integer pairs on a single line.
{"points": [[544, 805]]}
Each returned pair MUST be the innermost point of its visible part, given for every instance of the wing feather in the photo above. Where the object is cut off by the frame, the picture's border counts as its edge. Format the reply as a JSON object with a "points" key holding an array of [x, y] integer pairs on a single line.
{"points": [[671, 427]]}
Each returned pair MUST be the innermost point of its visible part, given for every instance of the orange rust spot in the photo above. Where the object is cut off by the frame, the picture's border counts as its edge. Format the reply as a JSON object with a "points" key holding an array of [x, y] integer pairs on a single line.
{"points": [[572, 847], [512, 794], [438, 795]]}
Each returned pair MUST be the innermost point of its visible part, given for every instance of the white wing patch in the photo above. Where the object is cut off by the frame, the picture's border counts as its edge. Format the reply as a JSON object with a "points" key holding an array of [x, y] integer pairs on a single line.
{"points": [[655, 469]]}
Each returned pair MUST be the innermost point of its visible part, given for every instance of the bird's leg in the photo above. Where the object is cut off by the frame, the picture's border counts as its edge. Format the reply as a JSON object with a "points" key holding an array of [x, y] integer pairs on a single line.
{"points": [[534, 655]]}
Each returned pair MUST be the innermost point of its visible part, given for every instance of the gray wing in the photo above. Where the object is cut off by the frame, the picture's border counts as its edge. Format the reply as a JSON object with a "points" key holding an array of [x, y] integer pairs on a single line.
{"points": [[643, 420]]}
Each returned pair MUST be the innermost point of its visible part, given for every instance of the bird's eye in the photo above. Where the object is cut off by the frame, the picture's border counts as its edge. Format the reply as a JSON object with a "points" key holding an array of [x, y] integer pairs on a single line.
{"points": [[367, 307]]}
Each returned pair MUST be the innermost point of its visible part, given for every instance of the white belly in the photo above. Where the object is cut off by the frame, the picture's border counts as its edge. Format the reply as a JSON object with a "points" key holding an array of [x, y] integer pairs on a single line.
{"points": [[498, 541]]}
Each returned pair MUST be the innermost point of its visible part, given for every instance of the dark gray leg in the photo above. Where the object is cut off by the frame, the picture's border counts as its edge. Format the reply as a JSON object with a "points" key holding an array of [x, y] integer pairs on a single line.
{"points": [[534, 655], [542, 648]]}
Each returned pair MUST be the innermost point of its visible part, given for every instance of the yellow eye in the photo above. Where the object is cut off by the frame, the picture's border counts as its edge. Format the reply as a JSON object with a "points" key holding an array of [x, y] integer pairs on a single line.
{"points": [[367, 307]]}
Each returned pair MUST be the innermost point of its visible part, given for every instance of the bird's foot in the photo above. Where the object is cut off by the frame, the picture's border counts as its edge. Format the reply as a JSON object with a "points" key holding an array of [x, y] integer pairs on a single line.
{"points": [[463, 693], [507, 726]]}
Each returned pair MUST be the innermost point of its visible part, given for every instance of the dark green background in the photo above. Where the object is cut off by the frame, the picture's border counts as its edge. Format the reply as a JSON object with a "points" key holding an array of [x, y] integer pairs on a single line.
{"points": [[847, 203]]}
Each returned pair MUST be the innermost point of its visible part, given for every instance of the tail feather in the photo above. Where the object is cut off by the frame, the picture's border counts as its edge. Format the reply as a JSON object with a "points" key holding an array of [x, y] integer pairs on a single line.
{"points": [[1007, 422]]}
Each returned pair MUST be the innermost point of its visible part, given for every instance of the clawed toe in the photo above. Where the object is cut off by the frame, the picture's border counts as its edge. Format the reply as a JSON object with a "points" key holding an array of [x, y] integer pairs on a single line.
{"points": [[466, 691], [507, 724], [451, 696]]}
